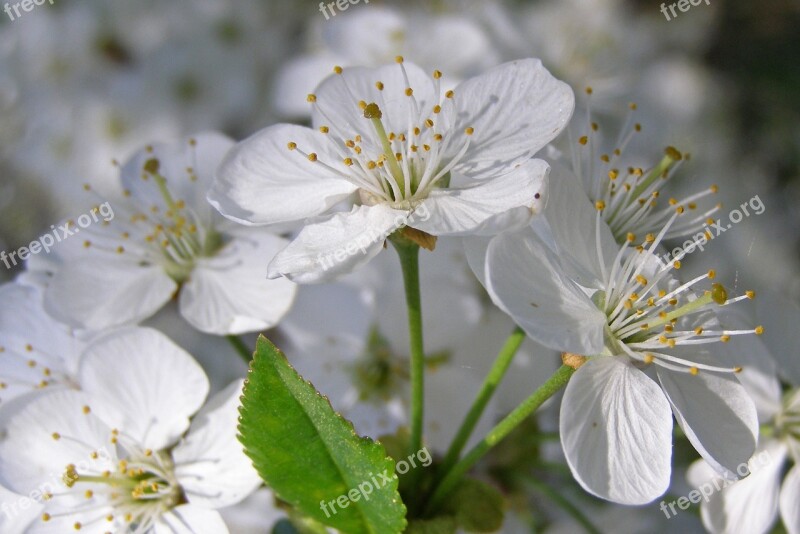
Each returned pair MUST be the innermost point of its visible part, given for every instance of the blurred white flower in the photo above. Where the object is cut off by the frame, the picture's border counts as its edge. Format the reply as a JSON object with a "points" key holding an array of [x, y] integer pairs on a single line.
{"points": [[446, 166], [621, 307], [110, 457], [162, 236], [371, 37]]}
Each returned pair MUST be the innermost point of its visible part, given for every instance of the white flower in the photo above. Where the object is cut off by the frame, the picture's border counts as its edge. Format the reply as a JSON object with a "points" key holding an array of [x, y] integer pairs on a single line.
{"points": [[122, 454], [634, 197], [387, 138], [754, 503], [161, 236], [641, 331], [37, 352]]}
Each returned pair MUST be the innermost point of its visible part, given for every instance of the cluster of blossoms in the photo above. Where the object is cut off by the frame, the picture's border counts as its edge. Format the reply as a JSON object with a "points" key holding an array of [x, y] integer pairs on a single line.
{"points": [[110, 426]]}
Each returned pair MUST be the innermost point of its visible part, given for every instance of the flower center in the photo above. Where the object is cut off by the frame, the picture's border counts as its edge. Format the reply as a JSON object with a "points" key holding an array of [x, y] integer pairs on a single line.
{"points": [[396, 167], [170, 234], [139, 488], [632, 195], [646, 318]]}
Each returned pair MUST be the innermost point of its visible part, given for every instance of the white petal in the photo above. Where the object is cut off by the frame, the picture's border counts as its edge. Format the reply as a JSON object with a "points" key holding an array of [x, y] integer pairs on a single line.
{"points": [[28, 333], [143, 384], [202, 154], [210, 462], [261, 181], [485, 207], [717, 415], [616, 431], [515, 110], [759, 374], [324, 250], [527, 281], [475, 249], [100, 293], [572, 219], [230, 293], [790, 501], [338, 97], [15, 519], [31, 459], [190, 519], [749, 505]]}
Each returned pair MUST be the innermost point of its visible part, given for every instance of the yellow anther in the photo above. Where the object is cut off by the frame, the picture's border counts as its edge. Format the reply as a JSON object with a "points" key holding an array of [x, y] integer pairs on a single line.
{"points": [[437, 74], [409, 91], [725, 338], [311, 97], [649, 358], [312, 156], [379, 86], [673, 153], [291, 145], [584, 139], [337, 69], [759, 330], [450, 94], [399, 59], [641, 279], [631, 237], [693, 371], [469, 130], [324, 129], [600, 205], [750, 294]]}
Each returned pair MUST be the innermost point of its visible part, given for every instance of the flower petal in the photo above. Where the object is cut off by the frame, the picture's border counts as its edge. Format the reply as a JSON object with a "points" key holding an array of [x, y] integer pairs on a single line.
{"points": [[324, 250], [210, 463], [261, 181], [573, 220], [338, 99], [616, 431], [749, 505], [486, 207], [230, 294], [101, 292], [515, 110], [190, 519], [202, 153], [790, 501], [31, 458], [296, 79], [717, 415], [132, 375], [526, 280]]}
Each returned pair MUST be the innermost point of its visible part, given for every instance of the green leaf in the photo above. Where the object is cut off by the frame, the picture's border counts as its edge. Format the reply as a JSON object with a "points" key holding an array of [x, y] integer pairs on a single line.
{"points": [[310, 456], [477, 506]]}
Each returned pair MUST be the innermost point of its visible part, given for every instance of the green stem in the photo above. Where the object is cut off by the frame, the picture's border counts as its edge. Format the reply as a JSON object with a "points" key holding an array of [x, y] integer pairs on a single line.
{"points": [[241, 348], [496, 374], [558, 380], [564, 503], [409, 261]]}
